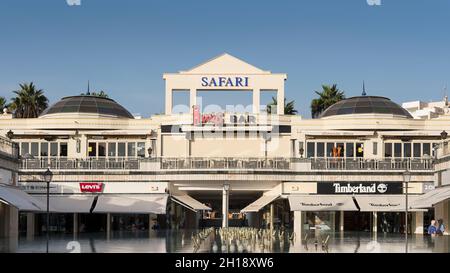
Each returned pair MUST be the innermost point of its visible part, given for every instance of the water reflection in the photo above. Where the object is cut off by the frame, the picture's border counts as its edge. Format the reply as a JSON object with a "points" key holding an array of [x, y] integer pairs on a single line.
{"points": [[231, 240]]}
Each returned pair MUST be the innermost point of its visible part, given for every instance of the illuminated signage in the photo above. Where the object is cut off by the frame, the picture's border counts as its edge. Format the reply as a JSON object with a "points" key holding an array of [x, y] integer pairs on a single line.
{"points": [[91, 187], [225, 81], [197, 116], [360, 188]]}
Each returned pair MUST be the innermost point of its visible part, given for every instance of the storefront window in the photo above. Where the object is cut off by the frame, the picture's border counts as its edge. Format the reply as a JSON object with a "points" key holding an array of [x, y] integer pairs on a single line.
{"points": [[406, 149], [63, 149], [397, 150], [24, 148], [92, 149], [359, 150], [320, 149], [54, 149], [310, 151], [44, 149], [34, 149], [141, 149], [349, 149], [417, 150], [111, 149], [330, 147], [427, 149], [387, 149], [131, 149], [121, 149], [101, 149]]}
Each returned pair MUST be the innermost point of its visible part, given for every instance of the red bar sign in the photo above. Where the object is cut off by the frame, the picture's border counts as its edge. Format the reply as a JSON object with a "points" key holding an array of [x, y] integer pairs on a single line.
{"points": [[196, 114], [91, 187]]}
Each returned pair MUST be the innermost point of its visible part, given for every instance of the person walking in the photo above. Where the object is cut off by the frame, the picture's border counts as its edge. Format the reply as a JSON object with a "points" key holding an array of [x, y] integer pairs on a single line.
{"points": [[440, 227], [432, 228]]}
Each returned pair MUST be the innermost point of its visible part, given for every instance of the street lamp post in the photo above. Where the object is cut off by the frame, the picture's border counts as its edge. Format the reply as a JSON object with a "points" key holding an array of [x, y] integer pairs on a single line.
{"points": [[406, 179], [48, 175]]}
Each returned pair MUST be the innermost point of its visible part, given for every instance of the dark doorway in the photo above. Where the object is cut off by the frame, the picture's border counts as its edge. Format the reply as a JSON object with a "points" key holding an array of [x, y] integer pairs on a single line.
{"points": [[357, 221]]}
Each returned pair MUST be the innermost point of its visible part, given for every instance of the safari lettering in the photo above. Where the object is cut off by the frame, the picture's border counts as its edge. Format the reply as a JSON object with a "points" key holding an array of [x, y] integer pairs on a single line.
{"points": [[225, 82]]}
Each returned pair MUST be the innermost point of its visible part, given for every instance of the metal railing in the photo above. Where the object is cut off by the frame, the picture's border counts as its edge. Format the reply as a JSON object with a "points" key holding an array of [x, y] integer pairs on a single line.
{"points": [[372, 164], [197, 163]]}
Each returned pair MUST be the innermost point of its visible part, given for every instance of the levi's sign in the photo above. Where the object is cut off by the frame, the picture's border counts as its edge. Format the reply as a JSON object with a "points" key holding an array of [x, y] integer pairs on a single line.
{"points": [[360, 188], [225, 81], [91, 187]]}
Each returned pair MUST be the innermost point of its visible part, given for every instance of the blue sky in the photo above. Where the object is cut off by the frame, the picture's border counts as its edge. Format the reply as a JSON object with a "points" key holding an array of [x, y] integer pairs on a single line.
{"points": [[401, 48]]}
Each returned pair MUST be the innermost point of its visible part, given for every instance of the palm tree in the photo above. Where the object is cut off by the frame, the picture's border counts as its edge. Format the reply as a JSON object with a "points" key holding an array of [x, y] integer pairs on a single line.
{"points": [[29, 101], [327, 97], [288, 107], [3, 104]]}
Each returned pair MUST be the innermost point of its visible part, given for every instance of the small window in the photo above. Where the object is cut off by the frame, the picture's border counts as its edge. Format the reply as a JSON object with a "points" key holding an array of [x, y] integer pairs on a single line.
{"points": [[350, 149], [375, 148], [417, 150], [426, 149], [44, 149], [387, 149], [121, 149], [320, 149], [101, 149], [131, 149], [397, 150], [359, 149], [310, 149], [54, 149], [34, 149], [141, 149], [92, 149], [111, 149], [24, 148], [63, 149], [406, 149]]}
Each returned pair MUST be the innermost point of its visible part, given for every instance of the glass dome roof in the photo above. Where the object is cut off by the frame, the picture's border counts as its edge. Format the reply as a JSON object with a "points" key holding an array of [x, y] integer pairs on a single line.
{"points": [[89, 105], [365, 105]]}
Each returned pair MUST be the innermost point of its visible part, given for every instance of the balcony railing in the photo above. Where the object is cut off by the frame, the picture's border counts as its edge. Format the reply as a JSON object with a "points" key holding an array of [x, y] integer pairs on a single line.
{"points": [[196, 163], [9, 148], [372, 164]]}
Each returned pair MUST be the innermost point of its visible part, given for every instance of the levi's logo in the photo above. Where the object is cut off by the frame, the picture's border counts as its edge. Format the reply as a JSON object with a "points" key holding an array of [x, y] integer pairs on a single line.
{"points": [[91, 187]]}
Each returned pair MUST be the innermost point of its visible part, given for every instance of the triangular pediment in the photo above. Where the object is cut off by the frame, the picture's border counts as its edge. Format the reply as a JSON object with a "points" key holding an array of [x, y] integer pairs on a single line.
{"points": [[225, 64]]}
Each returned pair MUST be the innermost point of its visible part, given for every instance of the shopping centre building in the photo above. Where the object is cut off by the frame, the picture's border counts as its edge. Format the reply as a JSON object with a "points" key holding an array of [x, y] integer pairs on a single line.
{"points": [[344, 171]]}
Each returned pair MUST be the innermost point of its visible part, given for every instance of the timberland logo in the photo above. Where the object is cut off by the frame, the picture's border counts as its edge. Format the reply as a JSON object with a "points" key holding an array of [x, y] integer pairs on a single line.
{"points": [[372, 188]]}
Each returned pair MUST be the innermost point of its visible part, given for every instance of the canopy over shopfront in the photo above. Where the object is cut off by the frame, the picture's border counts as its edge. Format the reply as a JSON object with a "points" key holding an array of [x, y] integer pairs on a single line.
{"points": [[431, 198], [21, 200], [189, 202], [385, 203], [322, 203], [260, 203]]}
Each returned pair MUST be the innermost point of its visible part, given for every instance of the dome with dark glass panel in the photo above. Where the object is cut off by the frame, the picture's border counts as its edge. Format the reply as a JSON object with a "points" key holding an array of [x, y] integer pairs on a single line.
{"points": [[366, 105], [86, 105]]}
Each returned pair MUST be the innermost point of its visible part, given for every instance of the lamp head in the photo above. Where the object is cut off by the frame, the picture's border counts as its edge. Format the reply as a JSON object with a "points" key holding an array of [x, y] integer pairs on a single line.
{"points": [[48, 175]]}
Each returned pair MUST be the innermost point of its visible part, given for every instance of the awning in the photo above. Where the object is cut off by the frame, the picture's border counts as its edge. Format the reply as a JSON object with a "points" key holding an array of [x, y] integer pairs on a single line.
{"points": [[384, 202], [260, 203], [18, 198], [322, 203], [68, 203], [430, 198], [189, 202], [132, 203]]}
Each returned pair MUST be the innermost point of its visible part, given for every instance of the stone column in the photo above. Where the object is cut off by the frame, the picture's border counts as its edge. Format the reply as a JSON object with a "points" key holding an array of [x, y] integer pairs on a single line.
{"points": [[108, 226], [75, 225], [374, 222], [256, 100], [192, 99], [298, 225], [341, 221], [225, 199], [280, 100], [169, 99], [30, 225], [271, 220], [418, 222]]}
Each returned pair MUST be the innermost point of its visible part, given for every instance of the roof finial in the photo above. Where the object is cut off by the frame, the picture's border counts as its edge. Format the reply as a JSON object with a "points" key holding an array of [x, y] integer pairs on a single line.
{"points": [[364, 89], [88, 91]]}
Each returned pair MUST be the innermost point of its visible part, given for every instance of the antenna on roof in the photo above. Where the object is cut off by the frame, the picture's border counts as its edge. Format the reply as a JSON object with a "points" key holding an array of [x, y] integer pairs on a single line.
{"points": [[364, 90], [88, 91]]}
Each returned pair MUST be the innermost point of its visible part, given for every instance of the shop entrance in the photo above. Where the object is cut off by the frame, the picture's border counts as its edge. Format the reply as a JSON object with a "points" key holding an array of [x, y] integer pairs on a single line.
{"points": [[357, 221]]}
